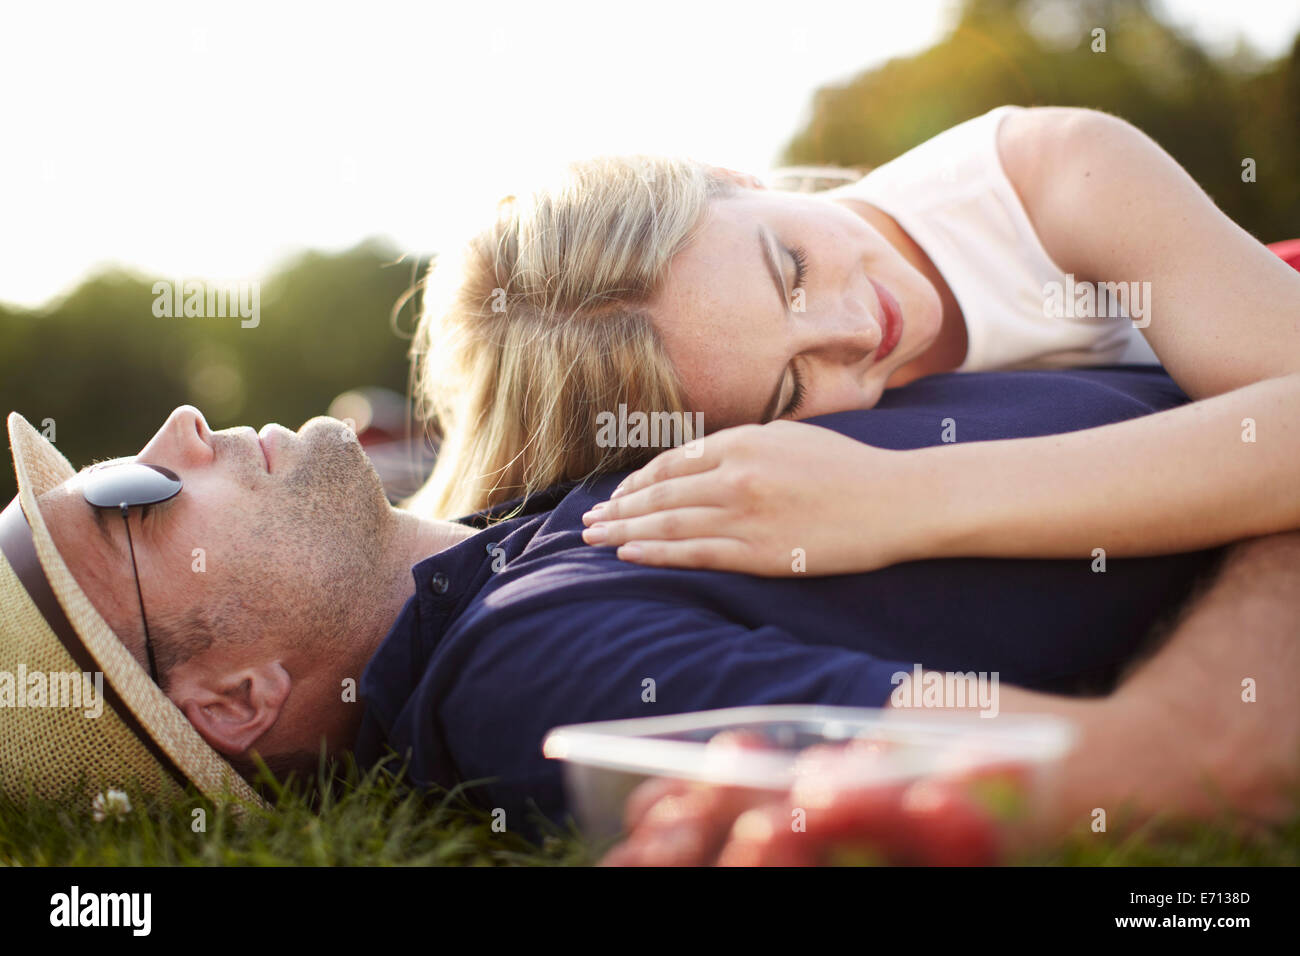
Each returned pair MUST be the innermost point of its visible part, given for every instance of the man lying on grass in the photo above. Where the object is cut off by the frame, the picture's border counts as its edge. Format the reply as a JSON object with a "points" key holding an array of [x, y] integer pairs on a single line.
{"points": [[278, 580]]}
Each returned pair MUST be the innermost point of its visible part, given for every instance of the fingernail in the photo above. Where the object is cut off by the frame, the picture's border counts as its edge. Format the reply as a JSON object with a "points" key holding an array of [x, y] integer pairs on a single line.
{"points": [[593, 514], [595, 534], [630, 552], [617, 491]]}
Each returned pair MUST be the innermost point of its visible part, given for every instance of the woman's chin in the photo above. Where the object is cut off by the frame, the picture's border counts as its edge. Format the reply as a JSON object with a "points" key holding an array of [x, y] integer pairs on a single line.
{"points": [[920, 333], [928, 322], [871, 393]]}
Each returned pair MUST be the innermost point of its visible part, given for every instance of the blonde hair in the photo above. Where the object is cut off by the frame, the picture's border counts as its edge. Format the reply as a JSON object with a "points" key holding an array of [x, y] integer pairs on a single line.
{"points": [[540, 323]]}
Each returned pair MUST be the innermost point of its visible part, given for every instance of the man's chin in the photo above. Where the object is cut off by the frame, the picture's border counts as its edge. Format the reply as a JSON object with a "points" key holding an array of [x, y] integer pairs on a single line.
{"points": [[332, 460], [329, 426]]}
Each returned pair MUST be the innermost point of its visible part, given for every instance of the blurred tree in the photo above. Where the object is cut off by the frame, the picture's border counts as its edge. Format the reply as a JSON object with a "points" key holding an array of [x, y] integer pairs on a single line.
{"points": [[1208, 114], [107, 370]]}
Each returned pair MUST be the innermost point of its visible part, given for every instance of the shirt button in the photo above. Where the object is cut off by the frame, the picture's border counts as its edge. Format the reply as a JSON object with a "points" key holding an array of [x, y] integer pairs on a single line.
{"points": [[439, 582]]}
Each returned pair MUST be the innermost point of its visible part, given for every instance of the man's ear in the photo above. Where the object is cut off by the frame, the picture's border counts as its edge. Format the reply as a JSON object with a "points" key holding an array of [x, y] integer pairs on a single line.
{"points": [[232, 711]]}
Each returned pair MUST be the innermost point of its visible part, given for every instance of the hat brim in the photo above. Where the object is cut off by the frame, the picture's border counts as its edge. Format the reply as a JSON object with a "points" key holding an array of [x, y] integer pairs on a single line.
{"points": [[142, 709]]}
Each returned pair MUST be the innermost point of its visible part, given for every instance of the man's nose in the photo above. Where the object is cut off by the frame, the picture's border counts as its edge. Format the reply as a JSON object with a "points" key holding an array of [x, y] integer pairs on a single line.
{"points": [[183, 441]]}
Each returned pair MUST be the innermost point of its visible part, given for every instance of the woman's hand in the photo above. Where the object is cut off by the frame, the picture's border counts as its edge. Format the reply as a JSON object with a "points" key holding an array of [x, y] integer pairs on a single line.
{"points": [[774, 500]]}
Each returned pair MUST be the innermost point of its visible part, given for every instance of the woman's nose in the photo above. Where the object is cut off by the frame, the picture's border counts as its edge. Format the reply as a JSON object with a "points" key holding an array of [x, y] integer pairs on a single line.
{"points": [[849, 338]]}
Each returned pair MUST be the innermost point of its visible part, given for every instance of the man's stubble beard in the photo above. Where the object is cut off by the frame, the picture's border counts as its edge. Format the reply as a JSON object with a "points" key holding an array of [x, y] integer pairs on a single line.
{"points": [[331, 527], [325, 532]]}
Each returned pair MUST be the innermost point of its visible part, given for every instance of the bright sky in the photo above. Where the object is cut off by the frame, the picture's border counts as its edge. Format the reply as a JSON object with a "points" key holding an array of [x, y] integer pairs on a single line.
{"points": [[213, 140]]}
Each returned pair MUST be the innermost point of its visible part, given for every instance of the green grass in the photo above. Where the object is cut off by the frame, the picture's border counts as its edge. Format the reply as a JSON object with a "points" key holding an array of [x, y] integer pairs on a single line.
{"points": [[371, 819], [1227, 842], [374, 819]]}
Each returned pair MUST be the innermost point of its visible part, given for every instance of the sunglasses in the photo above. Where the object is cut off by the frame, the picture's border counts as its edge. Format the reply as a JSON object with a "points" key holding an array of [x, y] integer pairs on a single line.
{"points": [[123, 486]]}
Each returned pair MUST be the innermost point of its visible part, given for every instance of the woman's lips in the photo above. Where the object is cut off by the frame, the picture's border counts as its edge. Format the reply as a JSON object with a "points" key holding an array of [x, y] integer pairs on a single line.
{"points": [[891, 320]]}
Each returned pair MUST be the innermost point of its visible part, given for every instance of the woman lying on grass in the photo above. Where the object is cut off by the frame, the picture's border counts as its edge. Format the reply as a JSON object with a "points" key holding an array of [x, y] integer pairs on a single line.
{"points": [[665, 286]]}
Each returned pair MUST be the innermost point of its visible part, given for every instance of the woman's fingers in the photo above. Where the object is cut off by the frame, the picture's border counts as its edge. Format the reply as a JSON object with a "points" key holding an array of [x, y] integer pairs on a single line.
{"points": [[705, 454], [688, 459], [699, 490], [703, 553], [675, 525]]}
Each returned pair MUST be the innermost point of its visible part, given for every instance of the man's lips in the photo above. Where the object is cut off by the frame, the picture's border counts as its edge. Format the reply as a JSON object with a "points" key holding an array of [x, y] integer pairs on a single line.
{"points": [[891, 320], [267, 440], [276, 442]]}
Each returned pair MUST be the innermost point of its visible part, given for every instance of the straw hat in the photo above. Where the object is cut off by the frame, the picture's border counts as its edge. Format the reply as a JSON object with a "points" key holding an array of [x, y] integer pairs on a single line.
{"points": [[49, 626]]}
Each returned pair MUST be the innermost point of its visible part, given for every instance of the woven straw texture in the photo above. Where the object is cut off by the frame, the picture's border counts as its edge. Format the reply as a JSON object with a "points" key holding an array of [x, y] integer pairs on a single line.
{"points": [[58, 751]]}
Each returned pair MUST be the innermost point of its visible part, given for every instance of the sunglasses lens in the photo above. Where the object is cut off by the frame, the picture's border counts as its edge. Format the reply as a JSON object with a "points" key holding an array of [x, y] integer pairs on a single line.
{"points": [[130, 483]]}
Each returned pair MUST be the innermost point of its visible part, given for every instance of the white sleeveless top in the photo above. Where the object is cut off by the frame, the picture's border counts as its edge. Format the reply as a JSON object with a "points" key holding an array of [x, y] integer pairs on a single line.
{"points": [[952, 196]]}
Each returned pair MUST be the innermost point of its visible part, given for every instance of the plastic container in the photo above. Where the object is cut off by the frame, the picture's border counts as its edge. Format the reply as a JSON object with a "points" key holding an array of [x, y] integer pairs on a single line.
{"points": [[605, 761]]}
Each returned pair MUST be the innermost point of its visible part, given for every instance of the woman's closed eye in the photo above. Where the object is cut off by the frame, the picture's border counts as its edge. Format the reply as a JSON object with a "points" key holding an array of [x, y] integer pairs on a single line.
{"points": [[797, 395], [800, 256]]}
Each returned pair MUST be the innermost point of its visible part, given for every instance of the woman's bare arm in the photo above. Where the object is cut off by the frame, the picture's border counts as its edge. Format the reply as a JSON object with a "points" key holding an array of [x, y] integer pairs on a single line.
{"points": [[1111, 205]]}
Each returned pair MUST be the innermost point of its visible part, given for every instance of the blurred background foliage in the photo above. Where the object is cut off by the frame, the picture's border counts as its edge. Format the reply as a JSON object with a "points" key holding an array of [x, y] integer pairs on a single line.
{"points": [[107, 371], [1210, 114]]}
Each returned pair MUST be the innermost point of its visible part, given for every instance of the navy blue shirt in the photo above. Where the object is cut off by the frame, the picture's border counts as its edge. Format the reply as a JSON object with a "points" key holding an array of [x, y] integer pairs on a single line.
{"points": [[523, 627]]}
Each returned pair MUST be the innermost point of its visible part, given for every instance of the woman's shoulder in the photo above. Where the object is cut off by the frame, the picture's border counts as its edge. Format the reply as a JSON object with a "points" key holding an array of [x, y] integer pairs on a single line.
{"points": [[959, 157], [1044, 150], [1024, 143], [1031, 131], [963, 147]]}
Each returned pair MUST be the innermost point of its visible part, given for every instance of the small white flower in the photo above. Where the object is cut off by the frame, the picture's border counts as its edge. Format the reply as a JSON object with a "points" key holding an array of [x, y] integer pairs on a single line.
{"points": [[114, 804]]}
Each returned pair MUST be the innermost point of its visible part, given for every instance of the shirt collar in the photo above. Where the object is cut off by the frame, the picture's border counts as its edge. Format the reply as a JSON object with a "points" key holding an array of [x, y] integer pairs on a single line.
{"points": [[444, 583]]}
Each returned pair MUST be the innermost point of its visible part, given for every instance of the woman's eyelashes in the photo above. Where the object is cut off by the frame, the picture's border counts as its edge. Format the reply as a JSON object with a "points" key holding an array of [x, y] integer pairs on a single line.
{"points": [[797, 395], [800, 256]]}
